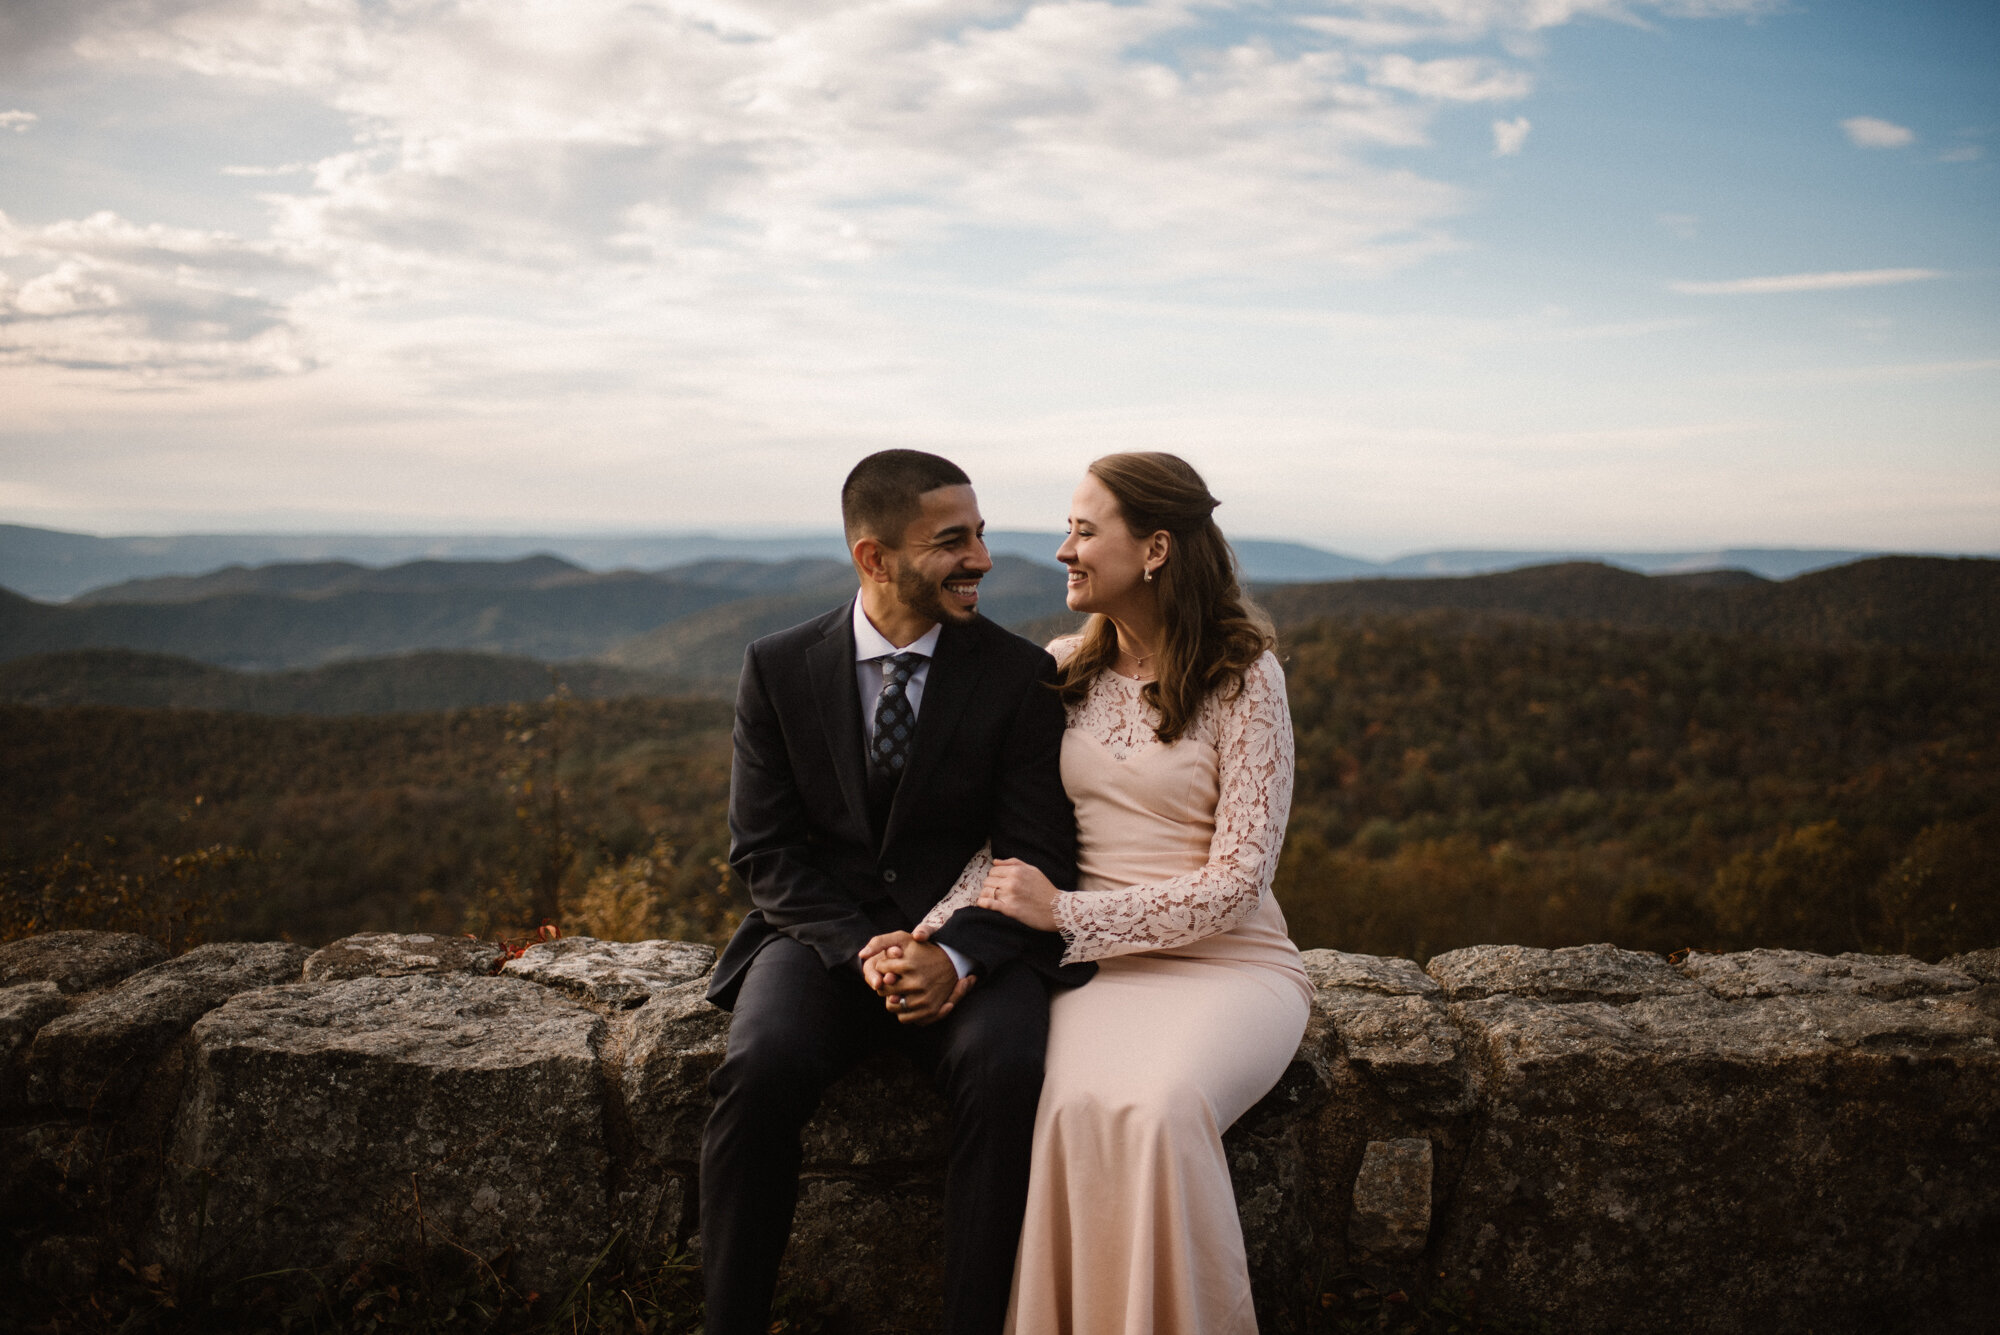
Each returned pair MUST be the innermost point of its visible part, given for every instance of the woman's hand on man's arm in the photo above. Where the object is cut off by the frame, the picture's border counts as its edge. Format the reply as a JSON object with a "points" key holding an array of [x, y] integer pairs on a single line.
{"points": [[1019, 890]]}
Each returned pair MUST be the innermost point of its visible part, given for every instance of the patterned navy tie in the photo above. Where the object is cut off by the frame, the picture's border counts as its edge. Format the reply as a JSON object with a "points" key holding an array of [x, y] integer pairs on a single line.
{"points": [[895, 721]]}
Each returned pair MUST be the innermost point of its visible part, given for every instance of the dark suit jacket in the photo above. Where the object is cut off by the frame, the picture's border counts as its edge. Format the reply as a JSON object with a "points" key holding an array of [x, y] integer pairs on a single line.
{"points": [[985, 765]]}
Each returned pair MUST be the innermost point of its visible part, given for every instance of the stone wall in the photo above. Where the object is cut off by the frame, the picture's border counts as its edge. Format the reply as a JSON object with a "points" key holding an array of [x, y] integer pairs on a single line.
{"points": [[1768, 1141]]}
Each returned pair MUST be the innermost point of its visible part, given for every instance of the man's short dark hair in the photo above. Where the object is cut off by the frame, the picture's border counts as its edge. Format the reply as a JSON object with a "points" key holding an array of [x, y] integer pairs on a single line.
{"points": [[882, 497]]}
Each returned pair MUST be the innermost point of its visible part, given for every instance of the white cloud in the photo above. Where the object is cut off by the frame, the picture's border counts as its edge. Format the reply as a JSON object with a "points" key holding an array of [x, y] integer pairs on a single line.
{"points": [[17, 121], [1509, 136], [1454, 79], [1406, 22], [102, 293], [1869, 132], [690, 169], [799, 135], [1805, 282], [64, 290], [1962, 153]]}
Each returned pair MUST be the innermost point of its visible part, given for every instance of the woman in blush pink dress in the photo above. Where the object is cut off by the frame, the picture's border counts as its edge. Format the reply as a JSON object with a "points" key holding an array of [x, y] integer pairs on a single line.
{"points": [[1179, 760]]}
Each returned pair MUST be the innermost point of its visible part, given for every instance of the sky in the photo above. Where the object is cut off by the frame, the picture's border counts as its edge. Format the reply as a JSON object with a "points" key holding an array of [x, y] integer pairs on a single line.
{"points": [[1395, 274]]}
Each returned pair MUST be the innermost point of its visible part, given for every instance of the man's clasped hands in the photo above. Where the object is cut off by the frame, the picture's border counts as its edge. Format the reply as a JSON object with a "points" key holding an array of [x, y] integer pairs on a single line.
{"points": [[917, 981]]}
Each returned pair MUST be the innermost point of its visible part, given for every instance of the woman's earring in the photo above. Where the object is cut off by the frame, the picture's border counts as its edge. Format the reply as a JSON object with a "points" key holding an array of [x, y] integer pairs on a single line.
{"points": [[1149, 577]]}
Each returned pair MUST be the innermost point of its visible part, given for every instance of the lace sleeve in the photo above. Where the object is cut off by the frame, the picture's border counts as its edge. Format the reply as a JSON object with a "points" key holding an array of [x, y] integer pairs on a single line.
{"points": [[1253, 800], [964, 891]]}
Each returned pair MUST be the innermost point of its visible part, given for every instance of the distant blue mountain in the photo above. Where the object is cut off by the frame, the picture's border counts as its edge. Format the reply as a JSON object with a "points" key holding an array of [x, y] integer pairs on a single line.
{"points": [[1264, 560], [54, 565], [49, 564], [1770, 562]]}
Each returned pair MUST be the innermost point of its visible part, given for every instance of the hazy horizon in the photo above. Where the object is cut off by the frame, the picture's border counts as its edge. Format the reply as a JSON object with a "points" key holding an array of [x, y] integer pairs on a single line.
{"points": [[808, 532]]}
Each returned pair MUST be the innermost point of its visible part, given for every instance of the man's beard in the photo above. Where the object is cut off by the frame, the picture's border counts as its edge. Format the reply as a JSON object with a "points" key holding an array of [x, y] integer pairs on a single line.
{"points": [[926, 597]]}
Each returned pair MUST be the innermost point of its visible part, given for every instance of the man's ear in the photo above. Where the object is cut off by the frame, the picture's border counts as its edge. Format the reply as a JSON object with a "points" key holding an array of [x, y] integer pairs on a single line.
{"points": [[871, 560]]}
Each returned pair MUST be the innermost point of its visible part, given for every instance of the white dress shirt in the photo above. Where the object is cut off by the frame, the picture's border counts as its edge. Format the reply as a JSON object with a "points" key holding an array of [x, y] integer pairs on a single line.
{"points": [[871, 646]]}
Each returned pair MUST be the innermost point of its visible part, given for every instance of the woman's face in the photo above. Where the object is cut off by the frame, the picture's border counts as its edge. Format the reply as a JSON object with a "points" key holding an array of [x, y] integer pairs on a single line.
{"points": [[1107, 565]]}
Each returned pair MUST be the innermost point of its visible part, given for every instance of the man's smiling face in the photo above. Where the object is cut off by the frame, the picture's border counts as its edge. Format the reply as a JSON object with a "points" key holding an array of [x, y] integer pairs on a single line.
{"points": [[943, 557]]}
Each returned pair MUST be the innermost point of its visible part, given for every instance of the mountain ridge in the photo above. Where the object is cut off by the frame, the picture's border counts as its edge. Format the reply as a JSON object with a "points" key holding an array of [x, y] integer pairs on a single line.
{"points": [[538, 608], [52, 564], [685, 636]]}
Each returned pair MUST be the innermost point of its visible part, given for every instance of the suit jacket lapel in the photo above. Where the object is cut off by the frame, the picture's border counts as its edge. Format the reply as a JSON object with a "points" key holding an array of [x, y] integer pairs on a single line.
{"points": [[831, 663], [951, 683]]}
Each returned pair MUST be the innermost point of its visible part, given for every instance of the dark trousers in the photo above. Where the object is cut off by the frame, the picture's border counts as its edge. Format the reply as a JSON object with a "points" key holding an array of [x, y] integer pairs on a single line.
{"points": [[797, 1028]]}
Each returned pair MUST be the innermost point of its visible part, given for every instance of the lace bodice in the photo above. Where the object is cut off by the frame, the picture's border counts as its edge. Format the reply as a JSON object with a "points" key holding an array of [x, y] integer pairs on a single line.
{"points": [[1250, 738]]}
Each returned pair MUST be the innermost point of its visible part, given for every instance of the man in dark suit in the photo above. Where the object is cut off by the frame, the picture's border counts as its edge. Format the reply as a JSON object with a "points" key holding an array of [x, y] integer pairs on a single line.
{"points": [[877, 748]]}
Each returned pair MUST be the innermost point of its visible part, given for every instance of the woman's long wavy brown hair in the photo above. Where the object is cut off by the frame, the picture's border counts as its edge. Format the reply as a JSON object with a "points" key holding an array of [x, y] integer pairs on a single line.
{"points": [[1210, 630]]}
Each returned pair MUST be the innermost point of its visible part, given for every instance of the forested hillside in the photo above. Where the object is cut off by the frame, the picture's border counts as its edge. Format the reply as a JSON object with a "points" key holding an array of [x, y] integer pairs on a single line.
{"points": [[179, 821], [1468, 780], [396, 684], [1462, 779], [1945, 604]]}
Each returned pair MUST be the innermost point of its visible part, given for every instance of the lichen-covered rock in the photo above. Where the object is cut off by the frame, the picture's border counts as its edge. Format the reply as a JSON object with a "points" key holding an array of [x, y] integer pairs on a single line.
{"points": [[1368, 973], [1388, 1018], [366, 1118], [1981, 964], [1408, 1045], [660, 1057], [96, 1057], [24, 1009], [665, 1052], [77, 961], [612, 973], [1771, 1141], [1571, 973], [1825, 1156], [1782, 973], [396, 954], [1392, 1199]]}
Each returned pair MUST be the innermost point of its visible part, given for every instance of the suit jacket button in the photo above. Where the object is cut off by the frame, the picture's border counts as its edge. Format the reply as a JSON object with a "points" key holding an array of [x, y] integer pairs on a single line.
{"points": [[889, 875]]}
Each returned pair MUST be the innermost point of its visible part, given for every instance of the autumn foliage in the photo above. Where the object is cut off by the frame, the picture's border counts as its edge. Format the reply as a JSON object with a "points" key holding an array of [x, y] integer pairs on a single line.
{"points": [[1463, 778]]}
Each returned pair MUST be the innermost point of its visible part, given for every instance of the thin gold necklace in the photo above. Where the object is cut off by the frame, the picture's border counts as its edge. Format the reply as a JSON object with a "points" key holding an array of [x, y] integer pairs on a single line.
{"points": [[1139, 661]]}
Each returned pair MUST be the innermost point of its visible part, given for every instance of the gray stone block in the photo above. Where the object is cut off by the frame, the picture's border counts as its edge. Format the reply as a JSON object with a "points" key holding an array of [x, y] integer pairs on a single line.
{"points": [[1368, 973], [1981, 964], [1783, 973], [24, 1009], [1407, 1045], [611, 973], [1810, 1155], [1570, 973], [369, 1117], [97, 1056], [1815, 1150], [395, 955], [77, 961], [1391, 1219]]}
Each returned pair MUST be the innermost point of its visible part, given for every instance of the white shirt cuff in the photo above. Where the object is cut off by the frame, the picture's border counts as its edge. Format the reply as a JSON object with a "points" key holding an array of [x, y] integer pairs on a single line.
{"points": [[958, 961]]}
